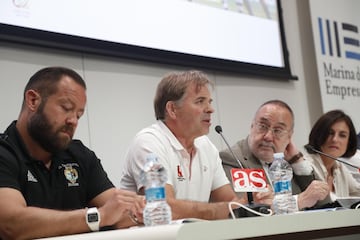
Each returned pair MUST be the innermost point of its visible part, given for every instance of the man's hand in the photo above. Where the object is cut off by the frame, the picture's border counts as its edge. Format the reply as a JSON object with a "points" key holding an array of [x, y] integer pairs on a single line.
{"points": [[264, 197], [316, 191], [290, 150], [120, 205]]}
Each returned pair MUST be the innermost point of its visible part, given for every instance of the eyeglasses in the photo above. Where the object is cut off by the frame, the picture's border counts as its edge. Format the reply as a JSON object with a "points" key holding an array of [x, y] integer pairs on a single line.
{"points": [[264, 129]]}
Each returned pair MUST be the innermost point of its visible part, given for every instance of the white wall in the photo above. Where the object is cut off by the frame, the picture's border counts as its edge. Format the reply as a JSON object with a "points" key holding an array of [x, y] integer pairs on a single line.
{"points": [[120, 92]]}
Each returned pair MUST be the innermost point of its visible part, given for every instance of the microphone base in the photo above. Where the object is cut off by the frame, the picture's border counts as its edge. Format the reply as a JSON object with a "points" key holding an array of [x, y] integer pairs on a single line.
{"points": [[242, 212]]}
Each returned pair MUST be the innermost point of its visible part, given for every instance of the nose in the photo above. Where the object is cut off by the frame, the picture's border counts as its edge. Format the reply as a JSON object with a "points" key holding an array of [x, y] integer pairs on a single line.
{"points": [[210, 108], [72, 119], [269, 135], [335, 137]]}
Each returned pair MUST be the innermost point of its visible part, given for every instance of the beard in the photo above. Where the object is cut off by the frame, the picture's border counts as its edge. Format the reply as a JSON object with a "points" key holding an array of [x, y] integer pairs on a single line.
{"points": [[41, 130]]}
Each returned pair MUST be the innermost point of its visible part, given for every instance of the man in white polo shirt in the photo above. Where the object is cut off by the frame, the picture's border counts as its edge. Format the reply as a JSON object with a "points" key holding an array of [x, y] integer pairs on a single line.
{"points": [[195, 175]]}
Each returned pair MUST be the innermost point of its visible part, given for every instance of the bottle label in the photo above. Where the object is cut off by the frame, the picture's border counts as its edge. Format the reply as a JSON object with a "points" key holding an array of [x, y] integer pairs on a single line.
{"points": [[156, 193], [282, 186]]}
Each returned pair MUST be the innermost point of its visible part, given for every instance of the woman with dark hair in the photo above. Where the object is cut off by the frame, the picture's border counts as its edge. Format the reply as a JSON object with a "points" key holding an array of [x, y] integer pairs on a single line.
{"points": [[335, 135]]}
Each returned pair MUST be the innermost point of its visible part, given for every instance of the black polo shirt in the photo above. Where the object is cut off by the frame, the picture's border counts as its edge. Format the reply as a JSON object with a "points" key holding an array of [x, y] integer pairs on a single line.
{"points": [[75, 177]]}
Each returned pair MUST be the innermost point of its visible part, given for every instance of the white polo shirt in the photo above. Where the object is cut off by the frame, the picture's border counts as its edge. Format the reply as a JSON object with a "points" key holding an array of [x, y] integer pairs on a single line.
{"points": [[191, 182]]}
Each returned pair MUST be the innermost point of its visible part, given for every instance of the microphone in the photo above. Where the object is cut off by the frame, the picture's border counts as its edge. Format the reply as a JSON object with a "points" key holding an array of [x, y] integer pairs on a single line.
{"points": [[311, 149], [262, 208]]}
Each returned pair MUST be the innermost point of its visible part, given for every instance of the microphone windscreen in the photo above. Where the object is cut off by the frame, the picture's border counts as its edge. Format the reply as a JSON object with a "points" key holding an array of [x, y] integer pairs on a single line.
{"points": [[309, 148], [218, 129]]}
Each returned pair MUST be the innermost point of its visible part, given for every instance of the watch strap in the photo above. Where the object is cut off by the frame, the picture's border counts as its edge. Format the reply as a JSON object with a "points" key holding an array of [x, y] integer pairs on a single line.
{"points": [[93, 219], [295, 158]]}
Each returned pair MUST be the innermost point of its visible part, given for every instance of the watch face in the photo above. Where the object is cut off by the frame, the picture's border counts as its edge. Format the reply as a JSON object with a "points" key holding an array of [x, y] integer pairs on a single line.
{"points": [[92, 217]]}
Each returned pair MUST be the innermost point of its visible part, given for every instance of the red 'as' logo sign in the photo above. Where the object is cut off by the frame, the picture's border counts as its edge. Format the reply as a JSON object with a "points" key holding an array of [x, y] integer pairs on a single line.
{"points": [[249, 180]]}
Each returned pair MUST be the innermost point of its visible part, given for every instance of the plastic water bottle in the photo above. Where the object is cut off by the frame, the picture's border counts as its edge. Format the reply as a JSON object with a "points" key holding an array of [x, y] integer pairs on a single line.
{"points": [[157, 211], [281, 174]]}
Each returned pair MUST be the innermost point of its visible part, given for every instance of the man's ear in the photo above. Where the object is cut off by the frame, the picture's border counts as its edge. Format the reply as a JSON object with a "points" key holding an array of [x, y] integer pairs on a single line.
{"points": [[171, 109], [32, 99]]}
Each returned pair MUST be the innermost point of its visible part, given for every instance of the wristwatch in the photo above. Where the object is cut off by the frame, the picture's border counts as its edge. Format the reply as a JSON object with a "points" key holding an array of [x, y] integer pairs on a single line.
{"points": [[295, 158], [93, 218]]}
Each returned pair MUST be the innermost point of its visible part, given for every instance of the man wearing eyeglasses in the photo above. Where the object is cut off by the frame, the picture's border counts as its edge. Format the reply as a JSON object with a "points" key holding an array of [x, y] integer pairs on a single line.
{"points": [[271, 131]]}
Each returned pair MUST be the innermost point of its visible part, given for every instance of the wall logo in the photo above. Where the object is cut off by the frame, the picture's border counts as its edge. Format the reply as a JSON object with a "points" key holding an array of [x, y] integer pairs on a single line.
{"points": [[20, 3], [331, 38]]}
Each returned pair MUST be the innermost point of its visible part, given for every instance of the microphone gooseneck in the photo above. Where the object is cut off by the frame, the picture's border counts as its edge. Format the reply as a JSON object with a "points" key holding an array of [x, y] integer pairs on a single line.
{"points": [[242, 212], [311, 149], [218, 129]]}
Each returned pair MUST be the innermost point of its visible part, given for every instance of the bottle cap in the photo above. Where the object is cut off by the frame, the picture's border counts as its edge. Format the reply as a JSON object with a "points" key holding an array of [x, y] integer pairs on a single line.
{"points": [[278, 155]]}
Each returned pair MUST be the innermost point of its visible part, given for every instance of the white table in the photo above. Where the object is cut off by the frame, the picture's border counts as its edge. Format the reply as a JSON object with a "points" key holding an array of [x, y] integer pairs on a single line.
{"points": [[341, 224]]}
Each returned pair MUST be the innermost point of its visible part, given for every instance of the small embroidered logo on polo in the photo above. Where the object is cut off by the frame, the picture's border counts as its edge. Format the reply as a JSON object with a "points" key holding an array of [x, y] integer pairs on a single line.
{"points": [[31, 177], [72, 175], [180, 175]]}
